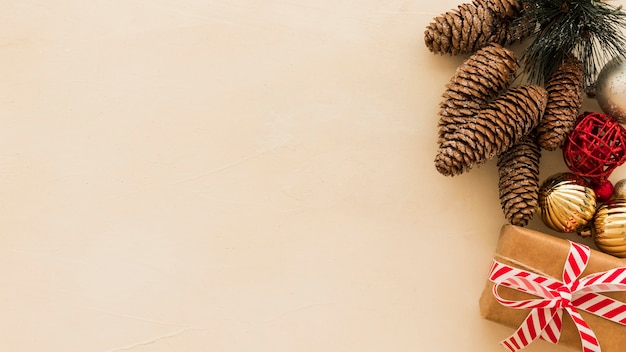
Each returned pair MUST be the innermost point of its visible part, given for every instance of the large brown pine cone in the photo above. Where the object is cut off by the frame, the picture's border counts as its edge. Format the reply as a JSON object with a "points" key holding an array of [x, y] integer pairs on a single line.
{"points": [[476, 82], [472, 26], [496, 128], [518, 171], [565, 98]]}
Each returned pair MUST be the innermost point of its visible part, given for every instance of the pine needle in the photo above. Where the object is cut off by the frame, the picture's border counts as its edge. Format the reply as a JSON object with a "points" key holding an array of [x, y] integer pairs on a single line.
{"points": [[591, 30]]}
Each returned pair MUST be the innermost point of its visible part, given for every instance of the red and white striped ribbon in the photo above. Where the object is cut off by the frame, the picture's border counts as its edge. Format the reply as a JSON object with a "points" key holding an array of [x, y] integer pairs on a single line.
{"points": [[569, 295]]}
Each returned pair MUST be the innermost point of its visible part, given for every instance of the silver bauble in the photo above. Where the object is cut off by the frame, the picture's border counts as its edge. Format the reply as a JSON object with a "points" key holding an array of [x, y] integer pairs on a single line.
{"points": [[619, 190], [611, 89]]}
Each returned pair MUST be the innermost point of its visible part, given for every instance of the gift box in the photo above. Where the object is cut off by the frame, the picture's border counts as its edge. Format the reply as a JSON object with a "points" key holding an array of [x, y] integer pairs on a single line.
{"points": [[528, 261]]}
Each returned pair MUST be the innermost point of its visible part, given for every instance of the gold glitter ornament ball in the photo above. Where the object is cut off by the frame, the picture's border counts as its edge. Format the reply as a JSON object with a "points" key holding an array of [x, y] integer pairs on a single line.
{"points": [[611, 89], [566, 202], [610, 228]]}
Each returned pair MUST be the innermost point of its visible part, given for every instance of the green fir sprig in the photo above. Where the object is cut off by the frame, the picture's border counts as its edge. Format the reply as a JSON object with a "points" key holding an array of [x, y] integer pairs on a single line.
{"points": [[591, 30]]}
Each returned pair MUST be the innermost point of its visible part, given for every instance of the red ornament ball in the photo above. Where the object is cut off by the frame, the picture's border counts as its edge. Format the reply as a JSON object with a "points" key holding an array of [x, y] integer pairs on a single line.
{"points": [[604, 191], [595, 147]]}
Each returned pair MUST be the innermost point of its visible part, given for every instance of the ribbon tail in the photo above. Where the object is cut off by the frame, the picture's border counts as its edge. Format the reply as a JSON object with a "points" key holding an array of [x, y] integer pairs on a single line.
{"points": [[552, 331], [531, 329], [588, 339]]}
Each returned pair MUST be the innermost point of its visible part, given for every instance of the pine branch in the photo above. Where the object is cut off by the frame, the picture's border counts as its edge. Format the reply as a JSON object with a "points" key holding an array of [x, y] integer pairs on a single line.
{"points": [[591, 30]]}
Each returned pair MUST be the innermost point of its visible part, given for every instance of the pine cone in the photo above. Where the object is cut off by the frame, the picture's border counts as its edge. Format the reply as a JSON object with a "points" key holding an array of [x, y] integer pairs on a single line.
{"points": [[565, 98], [496, 128], [513, 26], [504, 8], [481, 78], [472, 26], [512, 30], [518, 170]]}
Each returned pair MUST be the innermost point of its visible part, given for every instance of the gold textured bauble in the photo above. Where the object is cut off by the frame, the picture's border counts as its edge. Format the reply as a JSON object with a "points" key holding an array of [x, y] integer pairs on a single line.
{"points": [[611, 89], [610, 228], [619, 190], [566, 202]]}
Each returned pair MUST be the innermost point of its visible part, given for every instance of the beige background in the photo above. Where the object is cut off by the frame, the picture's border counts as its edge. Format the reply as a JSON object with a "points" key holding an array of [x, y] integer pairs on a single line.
{"points": [[235, 176]]}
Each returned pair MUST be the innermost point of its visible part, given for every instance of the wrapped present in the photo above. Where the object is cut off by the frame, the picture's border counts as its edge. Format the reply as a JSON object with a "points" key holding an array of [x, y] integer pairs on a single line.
{"points": [[550, 288]]}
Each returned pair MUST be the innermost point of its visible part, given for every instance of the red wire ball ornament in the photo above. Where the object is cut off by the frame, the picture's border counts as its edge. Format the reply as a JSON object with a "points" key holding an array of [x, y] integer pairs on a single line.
{"points": [[595, 147]]}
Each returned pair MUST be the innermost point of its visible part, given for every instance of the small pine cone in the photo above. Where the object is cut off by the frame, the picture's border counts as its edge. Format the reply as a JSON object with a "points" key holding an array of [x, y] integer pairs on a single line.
{"points": [[496, 128], [512, 27], [518, 170], [460, 31], [472, 26], [512, 31], [481, 78], [565, 98]]}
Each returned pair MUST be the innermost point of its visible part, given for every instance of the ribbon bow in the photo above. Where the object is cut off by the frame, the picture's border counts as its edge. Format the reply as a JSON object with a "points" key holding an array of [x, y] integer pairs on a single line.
{"points": [[570, 295]]}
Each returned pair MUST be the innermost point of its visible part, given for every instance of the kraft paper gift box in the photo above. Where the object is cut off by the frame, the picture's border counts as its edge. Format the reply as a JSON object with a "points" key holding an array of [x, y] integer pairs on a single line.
{"points": [[544, 254]]}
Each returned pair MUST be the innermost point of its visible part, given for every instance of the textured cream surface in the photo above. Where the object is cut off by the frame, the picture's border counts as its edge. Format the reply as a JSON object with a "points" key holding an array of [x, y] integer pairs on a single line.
{"points": [[241, 175]]}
